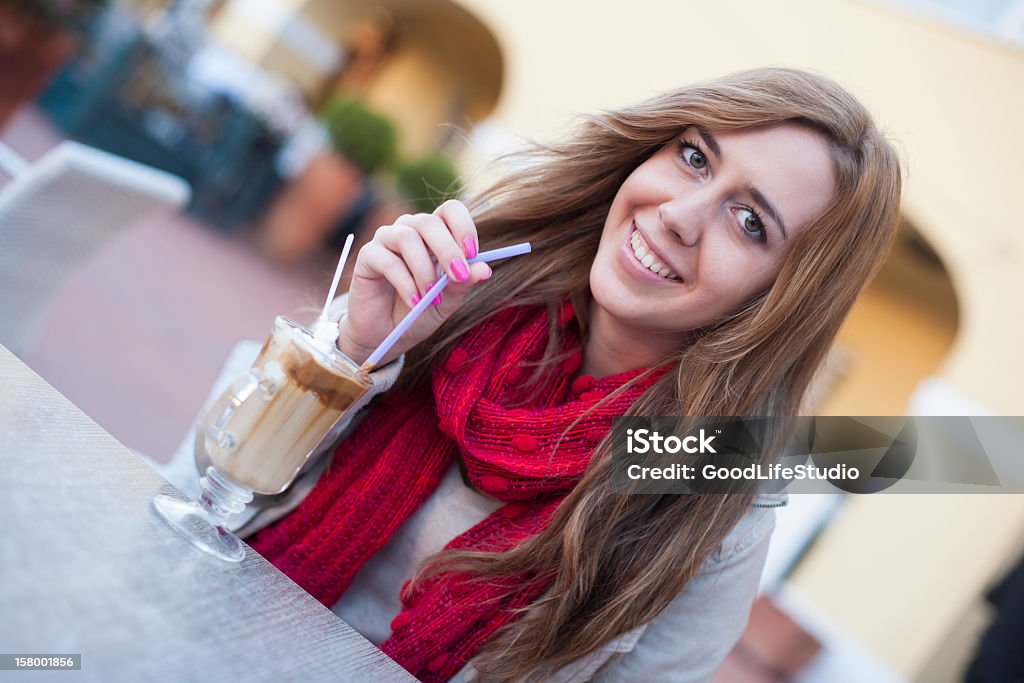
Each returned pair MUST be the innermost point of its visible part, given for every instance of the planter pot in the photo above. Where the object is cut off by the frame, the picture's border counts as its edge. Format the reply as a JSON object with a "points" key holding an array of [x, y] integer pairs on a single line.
{"points": [[304, 213], [31, 52]]}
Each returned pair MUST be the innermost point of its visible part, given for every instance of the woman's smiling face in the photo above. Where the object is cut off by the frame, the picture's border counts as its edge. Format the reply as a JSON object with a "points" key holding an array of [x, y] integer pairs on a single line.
{"points": [[715, 213]]}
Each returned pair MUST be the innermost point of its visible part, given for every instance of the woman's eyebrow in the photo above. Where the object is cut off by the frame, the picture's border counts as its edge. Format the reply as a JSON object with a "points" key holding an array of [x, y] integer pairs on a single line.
{"points": [[768, 207], [710, 141]]}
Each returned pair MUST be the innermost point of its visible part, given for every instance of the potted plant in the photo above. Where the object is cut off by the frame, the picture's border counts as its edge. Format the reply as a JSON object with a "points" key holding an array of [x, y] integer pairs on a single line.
{"points": [[429, 181], [36, 38], [364, 138]]}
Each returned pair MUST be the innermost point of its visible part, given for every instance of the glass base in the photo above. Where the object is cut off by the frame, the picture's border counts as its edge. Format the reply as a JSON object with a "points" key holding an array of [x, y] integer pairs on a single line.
{"points": [[189, 520]]}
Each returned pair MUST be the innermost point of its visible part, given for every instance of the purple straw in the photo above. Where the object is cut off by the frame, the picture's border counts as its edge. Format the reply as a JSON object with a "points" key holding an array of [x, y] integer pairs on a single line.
{"points": [[442, 282]]}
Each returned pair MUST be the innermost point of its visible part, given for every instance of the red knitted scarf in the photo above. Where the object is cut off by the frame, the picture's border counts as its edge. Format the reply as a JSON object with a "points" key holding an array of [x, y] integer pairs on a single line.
{"points": [[397, 456]]}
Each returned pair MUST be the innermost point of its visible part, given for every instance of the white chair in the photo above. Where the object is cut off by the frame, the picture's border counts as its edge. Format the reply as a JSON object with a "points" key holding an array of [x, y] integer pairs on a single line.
{"points": [[56, 213]]}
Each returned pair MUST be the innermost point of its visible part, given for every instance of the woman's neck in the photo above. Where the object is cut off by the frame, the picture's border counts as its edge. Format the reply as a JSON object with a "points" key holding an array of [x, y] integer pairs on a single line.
{"points": [[613, 347]]}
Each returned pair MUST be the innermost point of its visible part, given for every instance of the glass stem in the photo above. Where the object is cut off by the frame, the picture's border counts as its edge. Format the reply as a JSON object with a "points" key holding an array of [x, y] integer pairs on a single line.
{"points": [[221, 496]]}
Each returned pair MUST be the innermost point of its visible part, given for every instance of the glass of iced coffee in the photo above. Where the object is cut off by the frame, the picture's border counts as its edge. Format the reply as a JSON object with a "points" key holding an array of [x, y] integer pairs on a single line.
{"points": [[260, 432]]}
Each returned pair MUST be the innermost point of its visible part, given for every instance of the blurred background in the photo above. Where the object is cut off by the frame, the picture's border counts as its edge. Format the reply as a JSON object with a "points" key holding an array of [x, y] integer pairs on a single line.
{"points": [[298, 122]]}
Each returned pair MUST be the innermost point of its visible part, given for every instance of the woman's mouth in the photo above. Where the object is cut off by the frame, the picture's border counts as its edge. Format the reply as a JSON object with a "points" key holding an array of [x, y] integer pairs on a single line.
{"points": [[647, 259]]}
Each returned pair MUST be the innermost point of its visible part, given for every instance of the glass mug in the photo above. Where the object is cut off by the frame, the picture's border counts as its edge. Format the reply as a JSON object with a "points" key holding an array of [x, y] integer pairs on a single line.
{"points": [[260, 432]]}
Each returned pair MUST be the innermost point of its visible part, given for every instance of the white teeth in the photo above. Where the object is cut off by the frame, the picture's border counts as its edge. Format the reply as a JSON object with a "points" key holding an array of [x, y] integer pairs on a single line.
{"points": [[647, 258]]}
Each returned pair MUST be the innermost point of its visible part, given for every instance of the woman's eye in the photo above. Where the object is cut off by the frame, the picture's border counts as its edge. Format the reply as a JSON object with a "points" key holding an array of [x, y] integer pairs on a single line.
{"points": [[693, 156], [752, 225]]}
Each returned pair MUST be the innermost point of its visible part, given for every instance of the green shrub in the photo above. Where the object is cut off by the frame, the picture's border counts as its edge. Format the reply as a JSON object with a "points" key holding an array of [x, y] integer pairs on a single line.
{"points": [[365, 138], [429, 181]]}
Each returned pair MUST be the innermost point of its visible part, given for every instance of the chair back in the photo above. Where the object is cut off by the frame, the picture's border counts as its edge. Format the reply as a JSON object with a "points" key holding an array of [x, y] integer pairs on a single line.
{"points": [[56, 213]]}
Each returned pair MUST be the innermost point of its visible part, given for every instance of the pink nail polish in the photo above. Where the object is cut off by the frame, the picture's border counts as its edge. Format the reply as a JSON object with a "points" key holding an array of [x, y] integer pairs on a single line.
{"points": [[415, 299], [460, 270], [437, 300], [469, 247]]}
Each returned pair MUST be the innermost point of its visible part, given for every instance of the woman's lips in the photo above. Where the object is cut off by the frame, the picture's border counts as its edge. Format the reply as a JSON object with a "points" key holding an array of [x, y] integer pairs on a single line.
{"points": [[643, 271]]}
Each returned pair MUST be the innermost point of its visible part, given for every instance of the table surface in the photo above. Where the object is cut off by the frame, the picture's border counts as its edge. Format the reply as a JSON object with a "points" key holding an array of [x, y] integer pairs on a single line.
{"points": [[86, 566]]}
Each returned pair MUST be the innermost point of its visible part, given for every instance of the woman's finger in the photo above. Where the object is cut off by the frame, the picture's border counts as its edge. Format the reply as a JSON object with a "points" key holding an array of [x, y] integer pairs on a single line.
{"points": [[406, 241], [442, 245], [460, 222], [381, 262]]}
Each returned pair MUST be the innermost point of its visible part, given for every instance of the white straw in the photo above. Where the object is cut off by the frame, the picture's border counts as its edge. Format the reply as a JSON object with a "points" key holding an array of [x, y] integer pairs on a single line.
{"points": [[337, 275]]}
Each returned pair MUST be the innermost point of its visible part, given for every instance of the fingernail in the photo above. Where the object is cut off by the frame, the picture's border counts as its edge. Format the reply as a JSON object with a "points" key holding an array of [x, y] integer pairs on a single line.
{"points": [[469, 246], [460, 270], [415, 299], [437, 300], [489, 273]]}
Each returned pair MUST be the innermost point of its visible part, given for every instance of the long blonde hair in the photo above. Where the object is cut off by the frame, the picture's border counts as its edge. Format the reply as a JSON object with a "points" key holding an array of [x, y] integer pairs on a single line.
{"points": [[614, 562]]}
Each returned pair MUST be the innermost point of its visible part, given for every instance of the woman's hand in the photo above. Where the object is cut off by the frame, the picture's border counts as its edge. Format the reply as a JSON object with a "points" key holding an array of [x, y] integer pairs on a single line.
{"points": [[397, 267]]}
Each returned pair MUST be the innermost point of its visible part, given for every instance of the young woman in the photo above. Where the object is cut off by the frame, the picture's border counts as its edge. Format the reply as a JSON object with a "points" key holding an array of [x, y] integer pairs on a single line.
{"points": [[693, 255]]}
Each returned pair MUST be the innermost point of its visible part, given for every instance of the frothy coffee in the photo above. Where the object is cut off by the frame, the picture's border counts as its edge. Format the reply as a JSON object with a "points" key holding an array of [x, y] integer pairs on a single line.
{"points": [[282, 410]]}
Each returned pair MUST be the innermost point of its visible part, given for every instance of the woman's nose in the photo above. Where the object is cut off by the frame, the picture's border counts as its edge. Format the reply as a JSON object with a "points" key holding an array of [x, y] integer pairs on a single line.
{"points": [[686, 217]]}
